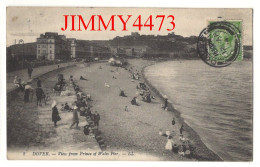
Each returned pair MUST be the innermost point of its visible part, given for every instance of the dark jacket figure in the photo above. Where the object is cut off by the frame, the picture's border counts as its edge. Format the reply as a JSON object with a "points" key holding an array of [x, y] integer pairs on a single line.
{"points": [[82, 111], [82, 78], [67, 107], [122, 93], [60, 80], [165, 103], [57, 87], [39, 83], [147, 98], [55, 114], [134, 101], [86, 129], [26, 95], [173, 121], [30, 70], [20, 85], [39, 95], [71, 78], [181, 129], [96, 117]]}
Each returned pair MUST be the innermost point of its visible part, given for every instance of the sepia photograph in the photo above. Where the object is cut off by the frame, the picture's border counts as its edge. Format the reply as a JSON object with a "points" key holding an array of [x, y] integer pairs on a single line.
{"points": [[129, 84]]}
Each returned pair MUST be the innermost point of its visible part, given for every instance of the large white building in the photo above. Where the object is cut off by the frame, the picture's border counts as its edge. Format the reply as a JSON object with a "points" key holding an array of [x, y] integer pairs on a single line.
{"points": [[53, 46]]}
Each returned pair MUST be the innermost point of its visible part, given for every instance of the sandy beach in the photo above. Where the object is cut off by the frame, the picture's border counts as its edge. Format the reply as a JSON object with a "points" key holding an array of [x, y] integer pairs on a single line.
{"points": [[136, 131]]}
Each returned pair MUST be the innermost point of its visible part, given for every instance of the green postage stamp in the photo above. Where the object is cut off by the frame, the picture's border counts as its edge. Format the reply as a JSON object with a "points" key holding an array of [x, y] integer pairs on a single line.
{"points": [[221, 43]]}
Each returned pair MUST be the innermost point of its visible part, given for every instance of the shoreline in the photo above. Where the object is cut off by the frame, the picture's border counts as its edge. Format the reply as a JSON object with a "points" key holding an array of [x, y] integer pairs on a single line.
{"points": [[202, 152], [208, 155]]}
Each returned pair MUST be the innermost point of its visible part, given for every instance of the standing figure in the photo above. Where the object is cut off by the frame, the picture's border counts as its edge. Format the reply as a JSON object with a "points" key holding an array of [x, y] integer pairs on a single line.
{"points": [[55, 113], [173, 121], [165, 104], [39, 83], [39, 95], [30, 70], [75, 116], [27, 92], [181, 129], [169, 142], [96, 119], [71, 78]]}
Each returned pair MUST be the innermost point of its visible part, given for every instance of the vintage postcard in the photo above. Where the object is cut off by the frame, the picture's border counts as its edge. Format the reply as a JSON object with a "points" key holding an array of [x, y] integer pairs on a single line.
{"points": [[150, 84]]}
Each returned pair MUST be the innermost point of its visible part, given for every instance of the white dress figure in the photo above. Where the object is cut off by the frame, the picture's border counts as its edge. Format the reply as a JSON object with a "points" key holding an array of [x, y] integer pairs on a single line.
{"points": [[168, 145]]}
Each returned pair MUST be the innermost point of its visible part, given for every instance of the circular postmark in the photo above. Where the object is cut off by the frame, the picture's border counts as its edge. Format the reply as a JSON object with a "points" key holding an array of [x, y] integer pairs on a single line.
{"points": [[219, 44]]}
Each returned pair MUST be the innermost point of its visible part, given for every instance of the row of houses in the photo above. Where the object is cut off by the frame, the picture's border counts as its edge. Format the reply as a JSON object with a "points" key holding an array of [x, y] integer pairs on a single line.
{"points": [[131, 51], [52, 46]]}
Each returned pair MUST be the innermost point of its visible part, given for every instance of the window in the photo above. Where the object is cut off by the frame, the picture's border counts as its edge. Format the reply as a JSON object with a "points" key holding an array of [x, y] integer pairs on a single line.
{"points": [[50, 46], [39, 51], [39, 46], [50, 51]]}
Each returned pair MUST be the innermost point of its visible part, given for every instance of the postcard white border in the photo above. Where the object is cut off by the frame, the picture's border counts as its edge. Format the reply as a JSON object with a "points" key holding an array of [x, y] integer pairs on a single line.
{"points": [[131, 3]]}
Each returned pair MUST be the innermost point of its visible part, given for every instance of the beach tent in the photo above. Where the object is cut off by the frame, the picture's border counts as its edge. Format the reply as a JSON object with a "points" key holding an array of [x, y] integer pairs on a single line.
{"points": [[117, 61]]}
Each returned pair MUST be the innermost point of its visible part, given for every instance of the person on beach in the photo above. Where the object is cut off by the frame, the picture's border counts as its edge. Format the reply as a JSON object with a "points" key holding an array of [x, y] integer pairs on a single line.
{"points": [[71, 78], [67, 107], [61, 80], [82, 78], [21, 85], [28, 88], [29, 70], [169, 143], [181, 129], [173, 121], [75, 116], [39, 95], [96, 117], [122, 93], [16, 82], [147, 97], [134, 101], [39, 83], [165, 104], [55, 114]]}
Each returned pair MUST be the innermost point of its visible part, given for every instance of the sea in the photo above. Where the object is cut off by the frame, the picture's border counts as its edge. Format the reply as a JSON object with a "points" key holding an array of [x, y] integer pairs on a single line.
{"points": [[216, 102]]}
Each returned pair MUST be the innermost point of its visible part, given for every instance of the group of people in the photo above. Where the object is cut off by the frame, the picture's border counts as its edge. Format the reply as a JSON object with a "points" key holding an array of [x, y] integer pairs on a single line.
{"points": [[134, 74], [182, 146], [80, 107], [29, 90], [59, 86], [19, 83], [144, 92]]}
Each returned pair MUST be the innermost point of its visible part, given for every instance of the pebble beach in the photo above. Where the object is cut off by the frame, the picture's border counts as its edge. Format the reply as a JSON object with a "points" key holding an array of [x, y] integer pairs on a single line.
{"points": [[134, 133]]}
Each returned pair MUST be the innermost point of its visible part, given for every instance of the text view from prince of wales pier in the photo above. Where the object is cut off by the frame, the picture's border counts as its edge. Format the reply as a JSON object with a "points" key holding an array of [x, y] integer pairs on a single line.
{"points": [[129, 84]]}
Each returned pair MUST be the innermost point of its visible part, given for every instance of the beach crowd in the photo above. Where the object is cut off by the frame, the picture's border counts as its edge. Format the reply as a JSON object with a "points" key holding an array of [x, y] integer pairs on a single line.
{"points": [[82, 107]]}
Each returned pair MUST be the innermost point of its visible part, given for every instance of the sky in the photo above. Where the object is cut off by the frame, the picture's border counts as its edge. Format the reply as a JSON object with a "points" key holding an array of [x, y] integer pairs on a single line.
{"points": [[28, 23]]}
